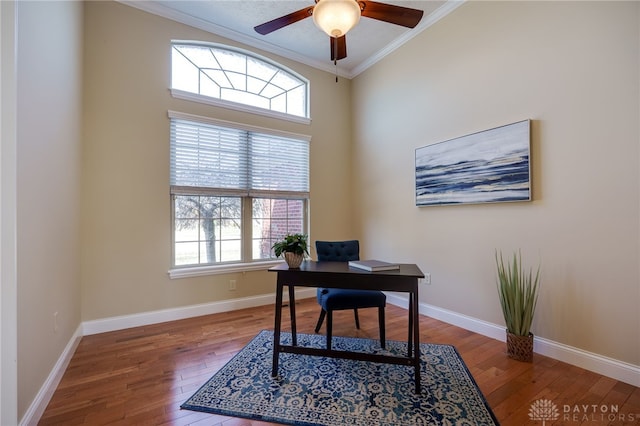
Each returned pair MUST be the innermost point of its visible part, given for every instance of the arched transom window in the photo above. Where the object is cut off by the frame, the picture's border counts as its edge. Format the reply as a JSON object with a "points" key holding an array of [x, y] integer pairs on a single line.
{"points": [[234, 75]]}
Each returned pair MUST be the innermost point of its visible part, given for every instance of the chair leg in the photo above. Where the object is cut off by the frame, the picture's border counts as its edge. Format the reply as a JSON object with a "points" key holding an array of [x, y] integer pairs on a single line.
{"points": [[355, 314], [329, 328], [382, 330], [320, 320]]}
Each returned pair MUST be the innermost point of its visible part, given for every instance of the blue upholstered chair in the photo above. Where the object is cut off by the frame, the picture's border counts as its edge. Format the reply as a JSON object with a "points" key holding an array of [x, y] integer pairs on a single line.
{"points": [[333, 299]]}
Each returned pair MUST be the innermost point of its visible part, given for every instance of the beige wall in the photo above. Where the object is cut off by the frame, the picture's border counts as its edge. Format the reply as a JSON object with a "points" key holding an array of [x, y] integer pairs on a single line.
{"points": [[570, 67], [573, 69], [49, 120], [126, 208], [8, 207]]}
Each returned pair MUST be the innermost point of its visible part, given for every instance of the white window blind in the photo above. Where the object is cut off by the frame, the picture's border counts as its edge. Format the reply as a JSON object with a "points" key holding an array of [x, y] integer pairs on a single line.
{"points": [[278, 164], [236, 160]]}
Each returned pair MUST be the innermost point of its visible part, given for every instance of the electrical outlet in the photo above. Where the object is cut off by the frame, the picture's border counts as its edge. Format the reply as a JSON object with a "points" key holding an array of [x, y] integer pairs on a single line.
{"points": [[427, 278], [232, 285]]}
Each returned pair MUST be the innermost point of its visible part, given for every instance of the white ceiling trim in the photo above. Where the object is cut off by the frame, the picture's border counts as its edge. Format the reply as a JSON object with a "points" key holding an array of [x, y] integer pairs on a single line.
{"points": [[183, 18], [160, 10], [431, 19]]}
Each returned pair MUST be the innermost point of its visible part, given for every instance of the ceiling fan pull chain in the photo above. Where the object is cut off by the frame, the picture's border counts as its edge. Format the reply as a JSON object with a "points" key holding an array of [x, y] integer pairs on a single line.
{"points": [[335, 57]]}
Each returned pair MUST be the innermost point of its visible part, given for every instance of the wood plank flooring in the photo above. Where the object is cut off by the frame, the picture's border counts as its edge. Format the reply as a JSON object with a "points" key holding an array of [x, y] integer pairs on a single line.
{"points": [[140, 376]]}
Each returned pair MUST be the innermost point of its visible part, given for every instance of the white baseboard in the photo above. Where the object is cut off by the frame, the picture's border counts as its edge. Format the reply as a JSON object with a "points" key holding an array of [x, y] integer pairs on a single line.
{"points": [[154, 317], [609, 367], [40, 402]]}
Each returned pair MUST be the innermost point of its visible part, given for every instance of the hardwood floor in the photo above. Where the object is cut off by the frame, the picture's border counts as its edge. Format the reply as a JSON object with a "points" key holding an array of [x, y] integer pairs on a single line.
{"points": [[142, 375]]}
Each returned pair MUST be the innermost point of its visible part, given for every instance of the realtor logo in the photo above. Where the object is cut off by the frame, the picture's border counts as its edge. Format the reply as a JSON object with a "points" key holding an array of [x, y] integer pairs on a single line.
{"points": [[544, 410]]}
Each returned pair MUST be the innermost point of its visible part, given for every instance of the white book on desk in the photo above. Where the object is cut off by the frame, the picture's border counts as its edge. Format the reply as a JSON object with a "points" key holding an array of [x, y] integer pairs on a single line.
{"points": [[373, 265]]}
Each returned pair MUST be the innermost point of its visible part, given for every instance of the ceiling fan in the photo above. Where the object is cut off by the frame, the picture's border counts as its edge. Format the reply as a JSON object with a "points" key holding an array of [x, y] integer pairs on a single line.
{"points": [[336, 17]]}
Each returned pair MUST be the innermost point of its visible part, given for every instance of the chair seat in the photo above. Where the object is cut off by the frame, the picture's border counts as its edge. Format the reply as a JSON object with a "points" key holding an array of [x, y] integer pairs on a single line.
{"points": [[336, 299], [333, 299]]}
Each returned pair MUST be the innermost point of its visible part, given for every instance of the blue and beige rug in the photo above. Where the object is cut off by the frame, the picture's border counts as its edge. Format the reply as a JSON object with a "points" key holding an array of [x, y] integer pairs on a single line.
{"points": [[312, 390]]}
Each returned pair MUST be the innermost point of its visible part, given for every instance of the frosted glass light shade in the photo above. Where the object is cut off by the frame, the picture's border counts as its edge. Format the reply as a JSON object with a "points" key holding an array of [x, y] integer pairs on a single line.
{"points": [[336, 17]]}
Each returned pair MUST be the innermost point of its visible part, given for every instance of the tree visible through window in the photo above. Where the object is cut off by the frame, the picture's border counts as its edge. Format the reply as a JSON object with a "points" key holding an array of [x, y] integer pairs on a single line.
{"points": [[207, 229], [234, 75]]}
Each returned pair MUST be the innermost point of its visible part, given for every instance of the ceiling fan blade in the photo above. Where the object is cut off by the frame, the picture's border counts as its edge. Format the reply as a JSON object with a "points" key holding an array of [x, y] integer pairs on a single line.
{"points": [[398, 15], [283, 21], [339, 46]]}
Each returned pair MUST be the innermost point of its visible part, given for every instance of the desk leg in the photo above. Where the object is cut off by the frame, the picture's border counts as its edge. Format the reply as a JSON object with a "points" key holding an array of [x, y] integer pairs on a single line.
{"points": [[292, 311], [416, 338], [276, 330], [410, 337]]}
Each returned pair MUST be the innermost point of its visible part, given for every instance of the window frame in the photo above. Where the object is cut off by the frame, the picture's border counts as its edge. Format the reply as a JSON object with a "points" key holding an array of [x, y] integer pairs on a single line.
{"points": [[176, 272], [237, 106]]}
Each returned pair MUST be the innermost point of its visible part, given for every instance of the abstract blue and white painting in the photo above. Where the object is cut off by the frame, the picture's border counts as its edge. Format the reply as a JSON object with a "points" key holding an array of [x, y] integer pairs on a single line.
{"points": [[485, 167]]}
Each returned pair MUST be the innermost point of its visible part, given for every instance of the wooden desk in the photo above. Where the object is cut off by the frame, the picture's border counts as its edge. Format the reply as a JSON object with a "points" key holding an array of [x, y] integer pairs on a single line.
{"points": [[340, 275]]}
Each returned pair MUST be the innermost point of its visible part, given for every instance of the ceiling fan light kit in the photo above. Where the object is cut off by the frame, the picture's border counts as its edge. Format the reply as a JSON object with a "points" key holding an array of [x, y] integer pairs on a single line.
{"points": [[336, 17]]}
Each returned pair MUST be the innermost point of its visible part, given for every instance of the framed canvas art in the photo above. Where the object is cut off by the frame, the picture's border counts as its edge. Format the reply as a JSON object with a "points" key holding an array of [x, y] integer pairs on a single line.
{"points": [[485, 167]]}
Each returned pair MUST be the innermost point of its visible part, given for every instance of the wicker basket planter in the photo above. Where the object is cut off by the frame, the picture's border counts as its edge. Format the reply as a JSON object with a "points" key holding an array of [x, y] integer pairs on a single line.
{"points": [[520, 347], [293, 260]]}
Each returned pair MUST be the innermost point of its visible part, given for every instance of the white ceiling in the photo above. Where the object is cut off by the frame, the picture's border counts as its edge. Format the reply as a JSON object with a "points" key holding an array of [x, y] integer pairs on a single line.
{"points": [[367, 43]]}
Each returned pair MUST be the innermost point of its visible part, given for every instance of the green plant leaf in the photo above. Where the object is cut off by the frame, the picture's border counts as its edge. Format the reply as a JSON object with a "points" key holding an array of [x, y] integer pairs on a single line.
{"points": [[292, 243], [517, 292]]}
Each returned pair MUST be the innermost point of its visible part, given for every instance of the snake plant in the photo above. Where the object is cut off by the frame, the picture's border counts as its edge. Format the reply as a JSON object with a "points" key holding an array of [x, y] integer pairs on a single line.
{"points": [[518, 291]]}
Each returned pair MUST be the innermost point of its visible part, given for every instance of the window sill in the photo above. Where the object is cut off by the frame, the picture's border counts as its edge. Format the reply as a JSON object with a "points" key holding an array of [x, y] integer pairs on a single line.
{"points": [[197, 271], [193, 97]]}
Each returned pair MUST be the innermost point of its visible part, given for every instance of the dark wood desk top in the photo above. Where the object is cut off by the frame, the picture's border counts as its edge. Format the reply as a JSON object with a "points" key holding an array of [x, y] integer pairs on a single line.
{"points": [[406, 269], [341, 275]]}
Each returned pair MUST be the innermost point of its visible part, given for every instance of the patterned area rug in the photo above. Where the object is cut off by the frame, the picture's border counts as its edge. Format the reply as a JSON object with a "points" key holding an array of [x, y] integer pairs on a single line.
{"points": [[312, 390]]}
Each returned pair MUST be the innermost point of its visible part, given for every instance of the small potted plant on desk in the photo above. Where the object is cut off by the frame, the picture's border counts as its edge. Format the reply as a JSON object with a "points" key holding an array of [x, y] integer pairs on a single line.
{"points": [[293, 247], [518, 291]]}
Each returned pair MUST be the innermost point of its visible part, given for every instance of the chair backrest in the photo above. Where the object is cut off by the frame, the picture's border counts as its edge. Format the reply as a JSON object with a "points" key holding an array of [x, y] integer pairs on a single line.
{"points": [[338, 251]]}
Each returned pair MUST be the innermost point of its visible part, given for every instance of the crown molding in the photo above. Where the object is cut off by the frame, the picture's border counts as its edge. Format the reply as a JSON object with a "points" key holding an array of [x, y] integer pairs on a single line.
{"points": [[192, 21], [431, 19], [195, 22]]}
